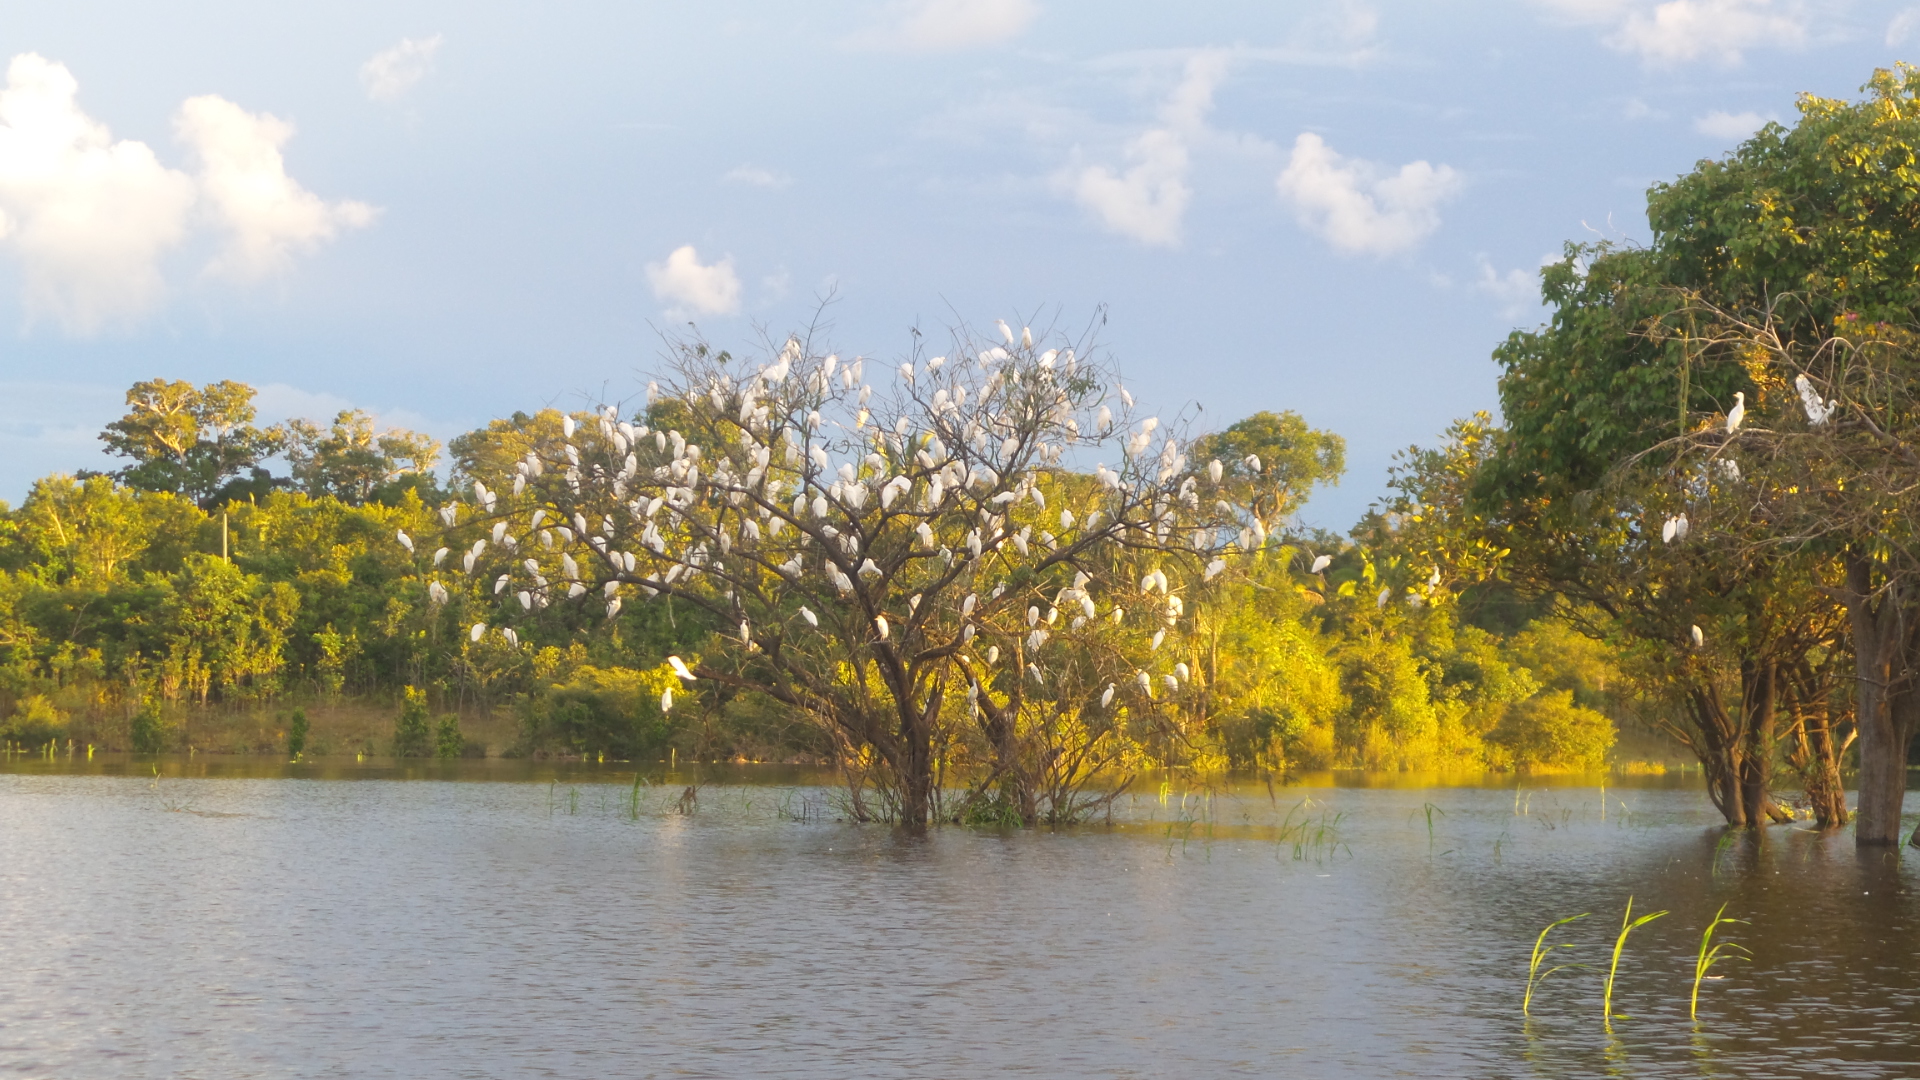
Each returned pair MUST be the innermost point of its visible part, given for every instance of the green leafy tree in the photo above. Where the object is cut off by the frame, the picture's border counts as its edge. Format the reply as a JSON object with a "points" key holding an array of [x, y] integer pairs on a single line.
{"points": [[191, 441], [356, 464]]}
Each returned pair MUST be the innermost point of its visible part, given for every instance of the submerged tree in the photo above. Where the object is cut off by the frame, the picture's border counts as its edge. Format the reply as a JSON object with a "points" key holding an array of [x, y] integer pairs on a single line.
{"points": [[888, 562]]}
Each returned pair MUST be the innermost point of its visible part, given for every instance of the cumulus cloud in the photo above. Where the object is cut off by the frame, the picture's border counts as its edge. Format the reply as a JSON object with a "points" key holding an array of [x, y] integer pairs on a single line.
{"points": [[88, 217], [1683, 31], [694, 289], [1726, 125], [393, 72], [1516, 292], [91, 219], [753, 176], [1356, 207], [1147, 199], [267, 216], [949, 25]]}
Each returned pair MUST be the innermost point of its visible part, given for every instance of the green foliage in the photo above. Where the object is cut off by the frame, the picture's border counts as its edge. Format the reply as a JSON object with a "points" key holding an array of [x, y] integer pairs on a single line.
{"points": [[354, 464], [412, 731], [610, 711], [35, 722], [190, 441], [447, 740], [1550, 732], [297, 728], [149, 729]]}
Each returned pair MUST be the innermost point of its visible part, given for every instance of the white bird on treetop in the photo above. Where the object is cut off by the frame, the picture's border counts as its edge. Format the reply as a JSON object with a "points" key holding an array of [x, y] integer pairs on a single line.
{"points": [[1737, 413], [807, 614], [1026, 337], [1005, 330], [679, 667], [1321, 563]]}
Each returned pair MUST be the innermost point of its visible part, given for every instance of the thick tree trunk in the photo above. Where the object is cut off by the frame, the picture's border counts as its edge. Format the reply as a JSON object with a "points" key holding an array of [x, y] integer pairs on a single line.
{"points": [[1883, 703], [916, 783], [1719, 751], [1757, 682]]}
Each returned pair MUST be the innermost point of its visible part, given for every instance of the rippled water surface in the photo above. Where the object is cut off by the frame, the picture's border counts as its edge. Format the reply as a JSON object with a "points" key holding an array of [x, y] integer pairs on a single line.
{"points": [[231, 925]]}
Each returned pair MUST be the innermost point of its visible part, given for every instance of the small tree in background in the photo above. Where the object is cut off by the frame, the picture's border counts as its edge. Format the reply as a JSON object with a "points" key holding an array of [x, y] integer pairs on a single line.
{"points": [[412, 731]]}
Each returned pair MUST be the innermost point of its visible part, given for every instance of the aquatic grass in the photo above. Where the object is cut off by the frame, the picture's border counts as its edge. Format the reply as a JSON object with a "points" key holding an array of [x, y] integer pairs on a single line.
{"points": [[1541, 951], [1628, 924], [1312, 838], [1711, 954], [1429, 809]]}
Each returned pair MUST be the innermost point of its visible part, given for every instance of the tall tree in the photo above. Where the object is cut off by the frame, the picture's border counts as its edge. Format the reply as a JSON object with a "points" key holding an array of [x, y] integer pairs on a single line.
{"points": [[354, 463], [192, 441]]}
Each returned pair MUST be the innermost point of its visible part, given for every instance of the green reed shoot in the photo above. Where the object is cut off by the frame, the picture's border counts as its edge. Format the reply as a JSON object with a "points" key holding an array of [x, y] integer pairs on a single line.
{"points": [[1628, 924], [1711, 954], [1541, 951]]}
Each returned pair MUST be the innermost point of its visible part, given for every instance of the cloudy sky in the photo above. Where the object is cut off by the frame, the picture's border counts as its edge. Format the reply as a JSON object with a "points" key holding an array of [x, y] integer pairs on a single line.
{"points": [[444, 212]]}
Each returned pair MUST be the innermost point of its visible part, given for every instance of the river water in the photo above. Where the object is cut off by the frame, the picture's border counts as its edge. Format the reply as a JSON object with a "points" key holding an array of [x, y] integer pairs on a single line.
{"points": [[492, 920]]}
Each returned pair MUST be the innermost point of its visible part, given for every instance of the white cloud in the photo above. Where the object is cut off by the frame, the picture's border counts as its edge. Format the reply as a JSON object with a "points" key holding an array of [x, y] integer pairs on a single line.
{"points": [[1148, 201], [390, 74], [1516, 291], [694, 289], [753, 176], [1902, 26], [1350, 204], [244, 183], [88, 217], [947, 25], [91, 219], [1682, 31], [1726, 125]]}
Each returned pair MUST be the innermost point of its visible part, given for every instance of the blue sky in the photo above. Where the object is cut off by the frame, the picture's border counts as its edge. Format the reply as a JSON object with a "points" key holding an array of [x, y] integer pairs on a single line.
{"points": [[444, 212]]}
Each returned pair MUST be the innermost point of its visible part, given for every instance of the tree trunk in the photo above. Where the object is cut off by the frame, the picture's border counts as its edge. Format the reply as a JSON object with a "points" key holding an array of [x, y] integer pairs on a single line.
{"points": [[916, 739], [1719, 752], [1757, 678], [1883, 702]]}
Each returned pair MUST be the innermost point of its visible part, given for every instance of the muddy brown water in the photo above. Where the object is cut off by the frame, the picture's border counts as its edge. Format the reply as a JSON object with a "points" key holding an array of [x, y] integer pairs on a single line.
{"points": [[509, 919]]}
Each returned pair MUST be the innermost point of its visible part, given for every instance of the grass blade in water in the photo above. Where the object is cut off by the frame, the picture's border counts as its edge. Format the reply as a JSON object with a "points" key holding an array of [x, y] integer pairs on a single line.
{"points": [[1628, 924], [1711, 954], [1541, 950]]}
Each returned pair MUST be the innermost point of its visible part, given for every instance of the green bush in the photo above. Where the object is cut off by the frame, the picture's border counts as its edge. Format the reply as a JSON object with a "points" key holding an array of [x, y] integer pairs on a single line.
{"points": [[412, 733], [1548, 731], [149, 729], [35, 722], [611, 711], [447, 741], [297, 733]]}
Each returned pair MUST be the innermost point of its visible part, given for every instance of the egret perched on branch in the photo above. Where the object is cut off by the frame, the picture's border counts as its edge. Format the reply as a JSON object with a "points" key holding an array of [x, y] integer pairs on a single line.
{"points": [[479, 629], [1737, 413], [1106, 696], [666, 700], [1380, 601], [1321, 563], [807, 614], [405, 540], [1006, 332], [1818, 411], [1699, 639], [679, 667]]}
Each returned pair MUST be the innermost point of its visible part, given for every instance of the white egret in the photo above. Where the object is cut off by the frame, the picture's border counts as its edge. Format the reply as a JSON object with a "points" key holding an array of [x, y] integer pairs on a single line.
{"points": [[1182, 671], [1215, 470], [993, 654], [1158, 637], [1380, 601], [1146, 682], [405, 540], [1321, 563], [1006, 332], [441, 556], [680, 668], [1214, 568], [1026, 337], [1699, 639], [1737, 413], [513, 639], [1666, 531], [1434, 581], [666, 700], [1818, 412], [807, 614], [1173, 684], [880, 626], [478, 630], [1106, 696], [1253, 463]]}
